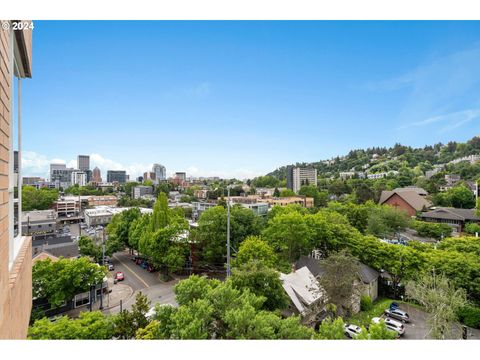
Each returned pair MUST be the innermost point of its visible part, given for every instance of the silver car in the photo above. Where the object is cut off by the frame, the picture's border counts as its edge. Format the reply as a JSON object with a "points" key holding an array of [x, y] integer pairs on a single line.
{"points": [[397, 314]]}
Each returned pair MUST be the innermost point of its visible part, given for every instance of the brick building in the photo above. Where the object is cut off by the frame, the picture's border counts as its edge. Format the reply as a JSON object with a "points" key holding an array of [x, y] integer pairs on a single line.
{"points": [[411, 200], [15, 249]]}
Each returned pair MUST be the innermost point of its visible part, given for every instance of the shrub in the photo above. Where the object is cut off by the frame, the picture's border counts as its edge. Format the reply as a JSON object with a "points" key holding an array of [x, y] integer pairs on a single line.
{"points": [[366, 303], [472, 228], [433, 230], [470, 316]]}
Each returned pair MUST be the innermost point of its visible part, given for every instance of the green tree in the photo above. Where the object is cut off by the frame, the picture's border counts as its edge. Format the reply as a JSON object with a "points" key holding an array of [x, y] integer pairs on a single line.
{"points": [[377, 331], [386, 220], [90, 325], [312, 191], [432, 230], [41, 199], [212, 231], [290, 235], [87, 247], [61, 280], [331, 329], [254, 248], [261, 281], [472, 228], [338, 279], [118, 229], [276, 192], [127, 323], [287, 193], [441, 301]]}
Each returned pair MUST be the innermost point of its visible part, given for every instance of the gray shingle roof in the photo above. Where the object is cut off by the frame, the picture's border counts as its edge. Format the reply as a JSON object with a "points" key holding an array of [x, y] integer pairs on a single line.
{"points": [[451, 214], [366, 273]]}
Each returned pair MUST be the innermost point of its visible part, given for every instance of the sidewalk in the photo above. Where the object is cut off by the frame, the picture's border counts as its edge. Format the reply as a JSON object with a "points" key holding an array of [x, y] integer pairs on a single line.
{"points": [[120, 292]]}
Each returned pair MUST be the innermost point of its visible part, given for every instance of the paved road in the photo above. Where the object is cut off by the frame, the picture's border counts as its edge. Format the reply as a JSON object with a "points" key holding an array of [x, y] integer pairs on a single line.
{"points": [[417, 329], [141, 280]]}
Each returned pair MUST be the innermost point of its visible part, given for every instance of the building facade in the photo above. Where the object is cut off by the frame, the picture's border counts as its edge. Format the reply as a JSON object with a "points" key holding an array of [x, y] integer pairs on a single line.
{"points": [[102, 200], [83, 162], [15, 249], [149, 175], [97, 175], [79, 178], [119, 176], [160, 172], [302, 176], [61, 177], [139, 191]]}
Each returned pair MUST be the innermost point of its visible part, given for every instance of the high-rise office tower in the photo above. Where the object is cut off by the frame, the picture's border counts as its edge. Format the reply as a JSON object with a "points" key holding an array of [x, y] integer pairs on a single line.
{"points": [[160, 172], [83, 162], [97, 175]]}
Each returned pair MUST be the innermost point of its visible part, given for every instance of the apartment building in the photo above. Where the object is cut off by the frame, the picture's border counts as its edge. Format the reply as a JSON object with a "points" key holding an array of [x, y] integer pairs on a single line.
{"points": [[141, 190], [300, 176], [79, 178], [15, 249]]}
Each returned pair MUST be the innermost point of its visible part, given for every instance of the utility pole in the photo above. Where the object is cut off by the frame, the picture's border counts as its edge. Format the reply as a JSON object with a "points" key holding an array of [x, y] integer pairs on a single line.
{"points": [[103, 263], [228, 231], [79, 212]]}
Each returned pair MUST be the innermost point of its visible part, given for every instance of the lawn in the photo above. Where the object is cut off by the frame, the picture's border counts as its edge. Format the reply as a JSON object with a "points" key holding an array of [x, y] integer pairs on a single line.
{"points": [[365, 317]]}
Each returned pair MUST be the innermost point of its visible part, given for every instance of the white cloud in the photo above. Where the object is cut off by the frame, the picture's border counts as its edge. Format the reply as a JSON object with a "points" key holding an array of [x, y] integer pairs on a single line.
{"points": [[34, 164], [442, 84], [451, 120]]}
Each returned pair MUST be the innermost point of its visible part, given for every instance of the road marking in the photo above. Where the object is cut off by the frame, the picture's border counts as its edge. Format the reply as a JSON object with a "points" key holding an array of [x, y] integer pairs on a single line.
{"points": [[128, 267]]}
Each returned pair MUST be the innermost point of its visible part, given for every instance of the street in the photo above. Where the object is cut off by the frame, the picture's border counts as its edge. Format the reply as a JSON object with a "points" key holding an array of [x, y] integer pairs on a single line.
{"points": [[141, 280]]}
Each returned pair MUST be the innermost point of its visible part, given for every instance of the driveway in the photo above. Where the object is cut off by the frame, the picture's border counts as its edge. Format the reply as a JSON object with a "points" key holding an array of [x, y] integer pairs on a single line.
{"points": [[417, 328]]}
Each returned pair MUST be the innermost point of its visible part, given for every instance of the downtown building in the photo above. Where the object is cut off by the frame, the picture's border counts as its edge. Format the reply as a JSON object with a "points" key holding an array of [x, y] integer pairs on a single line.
{"points": [[96, 175], [119, 176], [160, 172], [300, 176], [15, 249]]}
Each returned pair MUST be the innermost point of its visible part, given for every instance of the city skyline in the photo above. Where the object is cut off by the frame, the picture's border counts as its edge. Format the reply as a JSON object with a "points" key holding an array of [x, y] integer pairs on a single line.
{"points": [[212, 96]]}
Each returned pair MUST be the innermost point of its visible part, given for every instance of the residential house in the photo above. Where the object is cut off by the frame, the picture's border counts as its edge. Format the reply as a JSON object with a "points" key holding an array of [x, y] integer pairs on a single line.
{"points": [[306, 297], [368, 278]]}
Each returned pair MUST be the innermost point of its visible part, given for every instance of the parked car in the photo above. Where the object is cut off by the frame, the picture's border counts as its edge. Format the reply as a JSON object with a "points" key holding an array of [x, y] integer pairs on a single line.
{"points": [[391, 324], [150, 268], [111, 267], [144, 265], [119, 276], [352, 331], [397, 314], [394, 305]]}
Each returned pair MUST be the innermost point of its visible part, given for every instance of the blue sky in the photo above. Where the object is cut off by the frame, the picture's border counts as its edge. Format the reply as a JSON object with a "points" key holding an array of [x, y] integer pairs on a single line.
{"points": [[242, 98]]}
